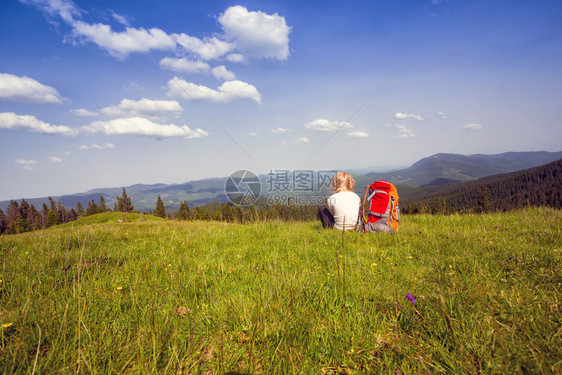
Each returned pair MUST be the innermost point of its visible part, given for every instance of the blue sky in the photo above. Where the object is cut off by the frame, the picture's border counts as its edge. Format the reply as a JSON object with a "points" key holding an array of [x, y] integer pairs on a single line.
{"points": [[113, 93]]}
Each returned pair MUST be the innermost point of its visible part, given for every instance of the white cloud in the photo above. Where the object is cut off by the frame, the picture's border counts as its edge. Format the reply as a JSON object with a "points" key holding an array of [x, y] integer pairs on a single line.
{"points": [[253, 134], [235, 58], [54, 159], [207, 49], [27, 90], [281, 130], [404, 116], [256, 34], [184, 65], [142, 126], [117, 44], [221, 73], [10, 120], [103, 147], [226, 93], [246, 34], [142, 107], [302, 140], [324, 125], [403, 132], [28, 165], [122, 20], [65, 9], [133, 86], [472, 126], [84, 112], [358, 134], [121, 44], [96, 146], [443, 115]]}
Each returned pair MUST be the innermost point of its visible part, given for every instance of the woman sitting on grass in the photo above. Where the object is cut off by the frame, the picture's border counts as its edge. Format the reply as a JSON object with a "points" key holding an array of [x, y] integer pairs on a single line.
{"points": [[342, 210]]}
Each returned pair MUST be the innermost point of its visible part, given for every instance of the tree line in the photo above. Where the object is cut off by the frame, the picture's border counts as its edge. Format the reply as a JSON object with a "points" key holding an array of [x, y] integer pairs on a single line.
{"points": [[540, 186], [24, 217], [218, 211]]}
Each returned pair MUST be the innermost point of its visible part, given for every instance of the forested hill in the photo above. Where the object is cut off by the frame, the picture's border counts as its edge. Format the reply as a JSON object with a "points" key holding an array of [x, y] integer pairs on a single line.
{"points": [[442, 169], [539, 186]]}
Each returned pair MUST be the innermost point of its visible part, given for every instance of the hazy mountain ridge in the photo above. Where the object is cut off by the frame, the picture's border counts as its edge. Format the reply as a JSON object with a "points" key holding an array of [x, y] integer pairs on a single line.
{"points": [[435, 170], [443, 168], [537, 186]]}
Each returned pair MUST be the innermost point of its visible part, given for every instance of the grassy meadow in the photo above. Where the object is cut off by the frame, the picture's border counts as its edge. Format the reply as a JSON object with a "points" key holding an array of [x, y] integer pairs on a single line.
{"points": [[153, 296]]}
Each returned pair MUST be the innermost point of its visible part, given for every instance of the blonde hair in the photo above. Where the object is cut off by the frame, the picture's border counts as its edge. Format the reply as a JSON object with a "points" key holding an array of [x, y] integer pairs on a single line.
{"points": [[343, 181]]}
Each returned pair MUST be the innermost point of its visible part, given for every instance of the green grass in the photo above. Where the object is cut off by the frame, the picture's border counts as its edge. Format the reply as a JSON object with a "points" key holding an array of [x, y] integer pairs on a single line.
{"points": [[155, 296]]}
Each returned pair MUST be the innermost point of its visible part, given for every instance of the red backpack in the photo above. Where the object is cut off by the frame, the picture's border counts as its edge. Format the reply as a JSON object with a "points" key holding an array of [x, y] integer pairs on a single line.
{"points": [[380, 211]]}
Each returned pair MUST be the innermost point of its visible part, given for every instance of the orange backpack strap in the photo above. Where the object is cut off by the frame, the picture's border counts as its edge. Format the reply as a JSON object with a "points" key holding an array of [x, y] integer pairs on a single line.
{"points": [[363, 205]]}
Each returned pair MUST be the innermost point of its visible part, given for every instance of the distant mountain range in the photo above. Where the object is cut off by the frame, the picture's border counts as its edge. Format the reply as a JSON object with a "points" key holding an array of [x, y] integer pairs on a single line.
{"points": [[538, 186], [441, 169], [438, 169]]}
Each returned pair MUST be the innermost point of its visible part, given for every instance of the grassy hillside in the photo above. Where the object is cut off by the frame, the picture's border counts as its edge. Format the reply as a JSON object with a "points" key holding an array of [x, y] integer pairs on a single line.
{"points": [[204, 297]]}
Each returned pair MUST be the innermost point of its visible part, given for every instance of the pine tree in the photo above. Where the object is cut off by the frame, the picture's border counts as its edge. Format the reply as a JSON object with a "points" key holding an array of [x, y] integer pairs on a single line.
{"points": [[124, 203], [253, 214], [72, 215], [33, 217], [226, 213], [44, 211], [52, 214], [216, 215], [199, 213], [3, 225], [184, 213], [160, 210], [79, 209], [12, 216], [92, 208], [102, 208], [237, 215], [63, 215]]}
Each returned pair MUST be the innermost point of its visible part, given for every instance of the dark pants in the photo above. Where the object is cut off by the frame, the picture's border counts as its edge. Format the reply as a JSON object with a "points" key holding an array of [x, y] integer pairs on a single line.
{"points": [[326, 217]]}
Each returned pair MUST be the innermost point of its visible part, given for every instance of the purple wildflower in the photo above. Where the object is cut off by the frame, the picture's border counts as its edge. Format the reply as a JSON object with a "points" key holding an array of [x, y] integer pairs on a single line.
{"points": [[66, 269], [411, 298]]}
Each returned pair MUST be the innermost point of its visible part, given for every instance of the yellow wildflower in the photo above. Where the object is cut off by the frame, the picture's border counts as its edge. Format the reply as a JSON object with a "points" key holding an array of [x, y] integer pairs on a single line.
{"points": [[7, 325]]}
